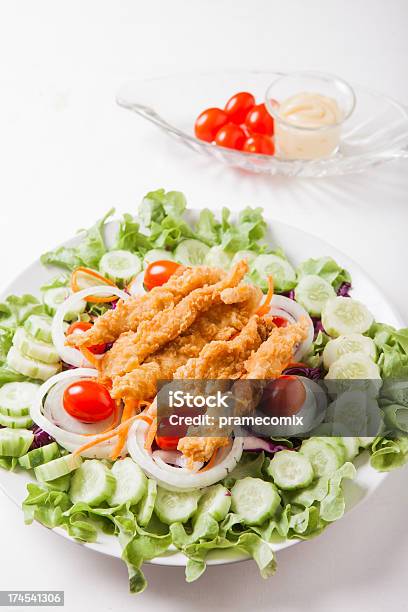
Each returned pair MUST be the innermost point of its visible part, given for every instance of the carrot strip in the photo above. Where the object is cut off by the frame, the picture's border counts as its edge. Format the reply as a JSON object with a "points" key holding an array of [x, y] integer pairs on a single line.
{"points": [[99, 439], [114, 422], [128, 412], [93, 360], [102, 280], [264, 308], [151, 434]]}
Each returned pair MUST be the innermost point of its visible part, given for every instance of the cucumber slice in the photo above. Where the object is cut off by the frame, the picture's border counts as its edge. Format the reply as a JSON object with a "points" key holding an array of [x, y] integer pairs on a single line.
{"points": [[341, 316], [324, 458], [15, 442], [31, 367], [349, 343], [191, 252], [312, 293], [146, 507], [218, 258], [16, 422], [38, 456], [250, 256], [36, 349], [284, 275], [354, 366], [92, 483], [336, 442], [173, 507], [58, 467], [131, 483], [254, 500], [120, 266], [16, 398], [290, 470], [39, 327], [216, 502], [53, 298], [157, 255]]}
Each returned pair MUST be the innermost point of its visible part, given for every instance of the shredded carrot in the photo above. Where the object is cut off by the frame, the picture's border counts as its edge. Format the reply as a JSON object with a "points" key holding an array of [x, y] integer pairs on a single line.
{"points": [[264, 308], [128, 412], [211, 462], [151, 434], [103, 437], [75, 286], [93, 360], [114, 423]]}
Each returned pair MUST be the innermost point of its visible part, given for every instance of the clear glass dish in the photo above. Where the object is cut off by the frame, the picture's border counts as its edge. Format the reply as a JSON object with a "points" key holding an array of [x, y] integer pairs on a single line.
{"points": [[375, 132]]}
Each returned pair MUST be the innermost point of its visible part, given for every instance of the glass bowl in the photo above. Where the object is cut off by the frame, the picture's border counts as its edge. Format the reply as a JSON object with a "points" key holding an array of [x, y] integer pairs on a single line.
{"points": [[375, 132], [318, 105]]}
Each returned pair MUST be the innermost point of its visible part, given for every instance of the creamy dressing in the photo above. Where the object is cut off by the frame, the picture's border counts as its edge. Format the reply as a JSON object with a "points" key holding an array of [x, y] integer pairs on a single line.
{"points": [[310, 126]]}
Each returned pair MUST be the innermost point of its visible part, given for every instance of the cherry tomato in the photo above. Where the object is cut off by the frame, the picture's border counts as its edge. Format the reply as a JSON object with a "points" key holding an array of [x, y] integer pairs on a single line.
{"points": [[158, 272], [259, 121], [284, 396], [88, 401], [82, 326], [167, 442], [209, 122], [280, 321], [259, 143], [238, 107], [230, 136]]}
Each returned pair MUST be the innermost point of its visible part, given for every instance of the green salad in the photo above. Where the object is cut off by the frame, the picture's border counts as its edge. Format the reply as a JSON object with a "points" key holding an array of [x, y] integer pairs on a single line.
{"points": [[273, 489]]}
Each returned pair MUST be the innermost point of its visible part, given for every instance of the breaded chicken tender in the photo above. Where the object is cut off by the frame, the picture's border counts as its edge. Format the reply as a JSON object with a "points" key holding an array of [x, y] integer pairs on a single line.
{"points": [[132, 349], [268, 362], [222, 360], [219, 323], [129, 313]]}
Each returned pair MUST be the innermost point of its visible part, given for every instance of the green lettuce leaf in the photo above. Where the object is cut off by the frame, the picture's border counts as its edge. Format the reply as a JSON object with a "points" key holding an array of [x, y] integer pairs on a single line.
{"points": [[156, 205], [208, 229], [250, 464], [129, 236], [246, 233], [62, 257], [8, 463], [205, 528], [45, 506], [325, 267], [333, 505], [92, 246], [389, 454], [88, 253], [16, 309], [392, 345]]}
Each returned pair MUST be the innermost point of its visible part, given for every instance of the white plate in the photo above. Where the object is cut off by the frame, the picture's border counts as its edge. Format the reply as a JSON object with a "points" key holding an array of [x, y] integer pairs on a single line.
{"points": [[299, 246]]}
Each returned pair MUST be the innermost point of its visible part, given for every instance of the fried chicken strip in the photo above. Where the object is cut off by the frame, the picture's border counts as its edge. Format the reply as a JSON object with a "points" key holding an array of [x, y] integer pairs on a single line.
{"points": [[220, 360], [221, 322], [225, 359], [267, 362], [132, 349], [129, 313]]}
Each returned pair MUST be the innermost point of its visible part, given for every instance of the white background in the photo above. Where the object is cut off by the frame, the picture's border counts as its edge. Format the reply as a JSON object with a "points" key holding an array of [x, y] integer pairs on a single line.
{"points": [[68, 154]]}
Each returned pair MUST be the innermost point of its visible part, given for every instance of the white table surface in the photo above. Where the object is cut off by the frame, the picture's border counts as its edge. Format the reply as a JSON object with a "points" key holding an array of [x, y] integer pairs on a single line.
{"points": [[68, 154]]}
